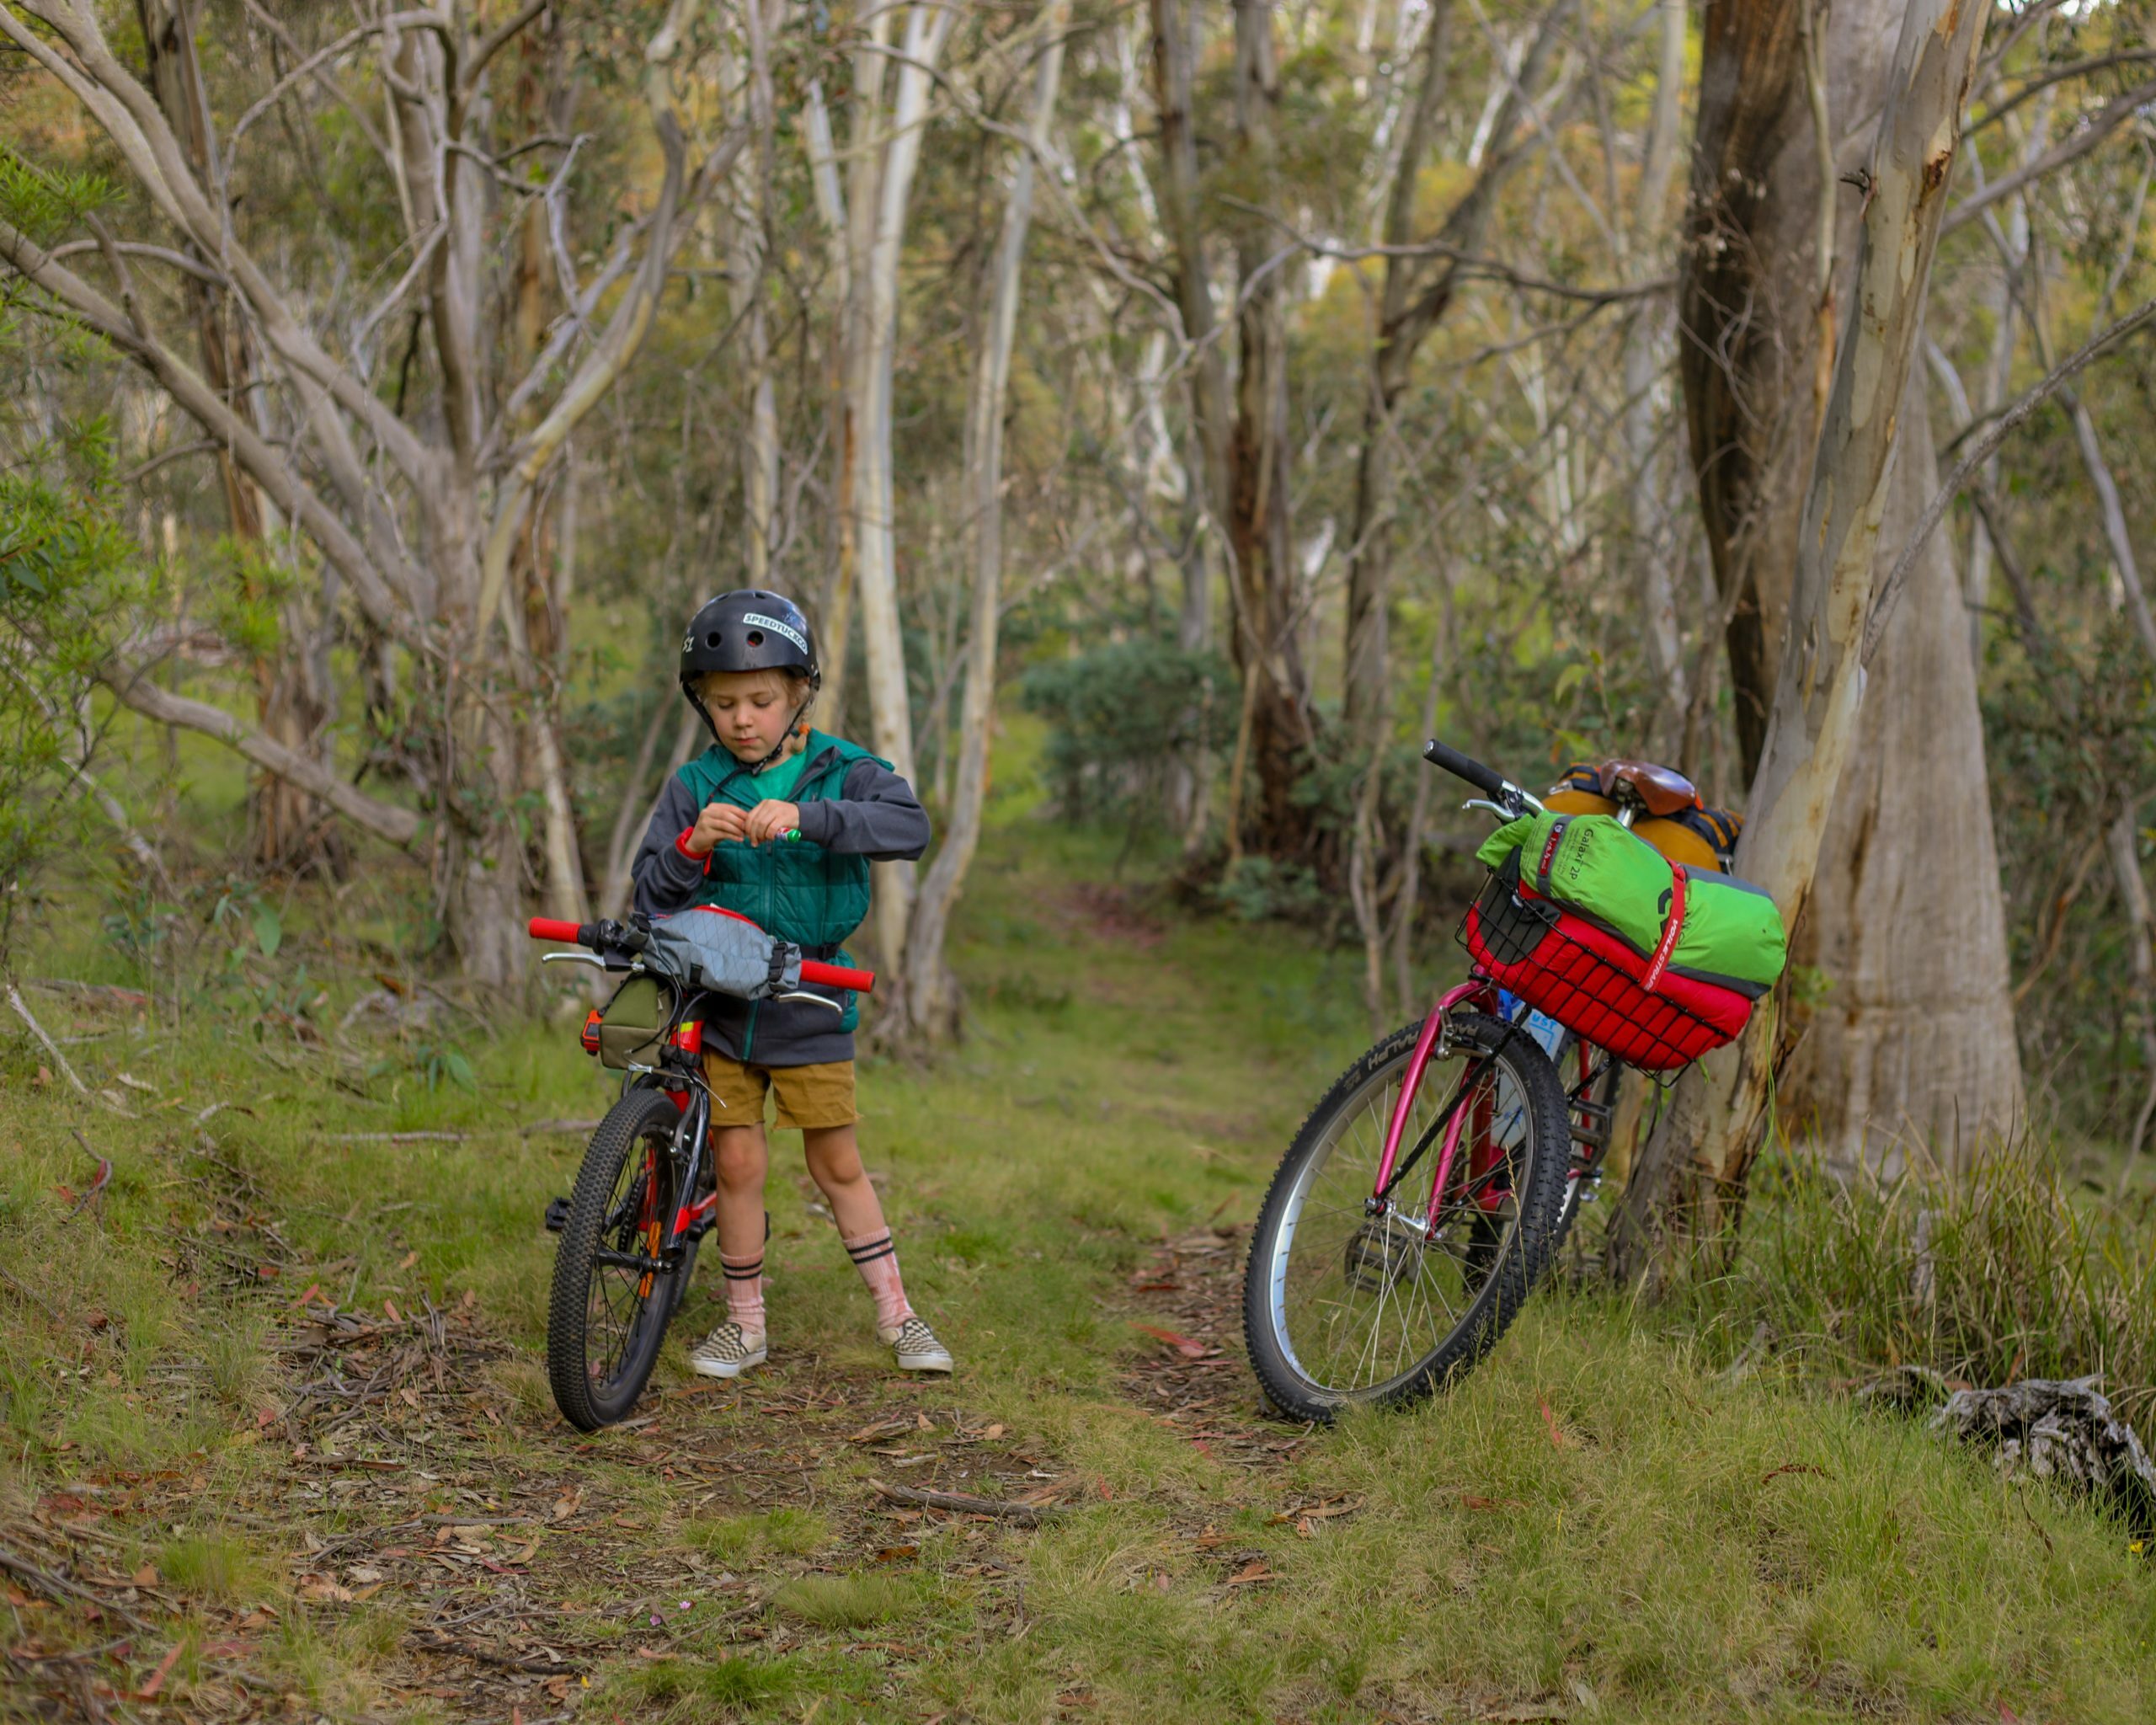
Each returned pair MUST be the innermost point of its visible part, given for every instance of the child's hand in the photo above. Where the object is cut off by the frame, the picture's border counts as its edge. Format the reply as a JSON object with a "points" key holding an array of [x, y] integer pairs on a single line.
{"points": [[770, 819], [719, 821]]}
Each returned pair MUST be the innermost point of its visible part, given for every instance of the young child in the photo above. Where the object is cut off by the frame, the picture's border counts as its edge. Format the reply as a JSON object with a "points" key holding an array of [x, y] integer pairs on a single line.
{"points": [[718, 836]]}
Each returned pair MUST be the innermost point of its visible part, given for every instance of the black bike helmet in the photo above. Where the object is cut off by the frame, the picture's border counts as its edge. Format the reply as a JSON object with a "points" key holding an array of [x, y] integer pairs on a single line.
{"points": [[753, 629]]}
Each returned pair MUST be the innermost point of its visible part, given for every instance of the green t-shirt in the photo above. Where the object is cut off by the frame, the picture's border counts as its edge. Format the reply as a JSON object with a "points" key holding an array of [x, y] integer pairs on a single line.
{"points": [[779, 779]]}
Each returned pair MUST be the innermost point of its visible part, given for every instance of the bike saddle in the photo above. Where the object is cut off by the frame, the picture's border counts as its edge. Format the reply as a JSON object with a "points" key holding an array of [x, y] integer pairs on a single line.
{"points": [[1660, 790]]}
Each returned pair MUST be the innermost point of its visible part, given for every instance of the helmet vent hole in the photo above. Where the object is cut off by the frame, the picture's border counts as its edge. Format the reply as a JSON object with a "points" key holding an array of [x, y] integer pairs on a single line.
{"points": [[712, 640], [755, 638]]}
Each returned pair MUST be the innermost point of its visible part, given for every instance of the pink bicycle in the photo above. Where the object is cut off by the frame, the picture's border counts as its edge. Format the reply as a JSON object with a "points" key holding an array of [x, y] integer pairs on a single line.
{"points": [[1419, 1203]]}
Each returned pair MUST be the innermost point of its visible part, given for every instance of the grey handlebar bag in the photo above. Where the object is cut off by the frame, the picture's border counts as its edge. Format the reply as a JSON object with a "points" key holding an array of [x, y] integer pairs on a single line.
{"points": [[708, 949]]}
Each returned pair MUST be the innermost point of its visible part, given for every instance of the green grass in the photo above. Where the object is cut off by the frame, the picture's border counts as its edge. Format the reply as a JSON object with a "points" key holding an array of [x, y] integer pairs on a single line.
{"points": [[1598, 1520]]}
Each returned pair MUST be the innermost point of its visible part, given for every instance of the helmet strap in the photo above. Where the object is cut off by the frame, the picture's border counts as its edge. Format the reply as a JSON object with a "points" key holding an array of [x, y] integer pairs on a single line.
{"points": [[793, 725]]}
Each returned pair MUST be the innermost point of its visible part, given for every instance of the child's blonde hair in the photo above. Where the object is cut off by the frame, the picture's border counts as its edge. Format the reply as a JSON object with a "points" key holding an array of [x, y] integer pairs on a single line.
{"points": [[711, 683]]}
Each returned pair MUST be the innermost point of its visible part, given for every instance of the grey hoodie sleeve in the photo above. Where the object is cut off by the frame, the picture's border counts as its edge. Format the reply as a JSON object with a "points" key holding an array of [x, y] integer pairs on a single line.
{"points": [[666, 878], [879, 817]]}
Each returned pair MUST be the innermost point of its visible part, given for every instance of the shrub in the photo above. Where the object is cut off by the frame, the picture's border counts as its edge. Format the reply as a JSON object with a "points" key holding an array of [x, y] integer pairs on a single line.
{"points": [[1121, 713]]}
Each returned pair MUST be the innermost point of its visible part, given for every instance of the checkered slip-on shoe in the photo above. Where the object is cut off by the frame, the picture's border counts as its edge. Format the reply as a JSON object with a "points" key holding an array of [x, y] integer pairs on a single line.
{"points": [[914, 1345], [729, 1351]]}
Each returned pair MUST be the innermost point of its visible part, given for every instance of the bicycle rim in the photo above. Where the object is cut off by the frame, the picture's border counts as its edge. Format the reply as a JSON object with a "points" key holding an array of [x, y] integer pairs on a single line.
{"points": [[1362, 1305]]}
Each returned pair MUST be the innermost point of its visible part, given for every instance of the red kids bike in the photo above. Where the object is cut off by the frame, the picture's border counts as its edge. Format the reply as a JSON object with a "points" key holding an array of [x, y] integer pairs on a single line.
{"points": [[645, 1196], [1428, 1191]]}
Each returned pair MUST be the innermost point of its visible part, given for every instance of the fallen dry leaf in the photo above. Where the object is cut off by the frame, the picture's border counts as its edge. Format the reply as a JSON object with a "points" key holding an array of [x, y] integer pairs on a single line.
{"points": [[155, 1680], [1181, 1344], [146, 1576], [897, 1554], [1251, 1573]]}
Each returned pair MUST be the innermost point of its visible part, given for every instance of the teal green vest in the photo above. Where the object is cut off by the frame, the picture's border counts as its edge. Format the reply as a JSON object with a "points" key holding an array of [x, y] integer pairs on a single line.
{"points": [[795, 889]]}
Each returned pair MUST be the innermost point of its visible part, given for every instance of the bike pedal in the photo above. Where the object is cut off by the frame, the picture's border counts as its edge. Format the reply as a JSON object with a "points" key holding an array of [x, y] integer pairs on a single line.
{"points": [[557, 1215], [703, 1226]]}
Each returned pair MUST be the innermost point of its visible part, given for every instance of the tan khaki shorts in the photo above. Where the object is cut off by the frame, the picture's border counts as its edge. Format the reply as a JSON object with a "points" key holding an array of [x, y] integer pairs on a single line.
{"points": [[813, 1096]]}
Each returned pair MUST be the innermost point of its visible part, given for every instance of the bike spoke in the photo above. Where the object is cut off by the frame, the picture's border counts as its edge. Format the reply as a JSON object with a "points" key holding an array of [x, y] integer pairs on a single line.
{"points": [[1363, 1301]]}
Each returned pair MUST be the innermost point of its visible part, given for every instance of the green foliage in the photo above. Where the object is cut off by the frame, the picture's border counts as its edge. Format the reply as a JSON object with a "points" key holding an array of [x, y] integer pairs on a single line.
{"points": [[2070, 730], [62, 567], [1120, 714]]}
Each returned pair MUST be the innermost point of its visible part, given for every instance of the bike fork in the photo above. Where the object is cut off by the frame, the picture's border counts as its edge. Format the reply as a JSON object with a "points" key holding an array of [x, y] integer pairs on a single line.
{"points": [[1410, 1085], [696, 1124]]}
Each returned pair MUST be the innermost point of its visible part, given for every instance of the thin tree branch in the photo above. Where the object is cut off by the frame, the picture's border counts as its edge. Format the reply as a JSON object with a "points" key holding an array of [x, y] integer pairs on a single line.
{"points": [[497, 38], [202, 446], [1882, 606], [134, 249], [304, 69], [2078, 68], [1473, 265], [133, 685], [2099, 126]]}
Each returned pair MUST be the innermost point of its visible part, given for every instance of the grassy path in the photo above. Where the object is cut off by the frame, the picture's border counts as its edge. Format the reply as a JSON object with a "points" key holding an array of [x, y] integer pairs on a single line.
{"points": [[275, 1442]]}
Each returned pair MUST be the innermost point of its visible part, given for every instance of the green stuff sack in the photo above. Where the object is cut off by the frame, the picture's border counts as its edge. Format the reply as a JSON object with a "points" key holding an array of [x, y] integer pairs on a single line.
{"points": [[1595, 867]]}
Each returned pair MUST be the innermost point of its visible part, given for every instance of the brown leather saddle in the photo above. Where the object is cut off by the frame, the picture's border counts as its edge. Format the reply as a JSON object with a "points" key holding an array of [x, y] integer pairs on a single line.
{"points": [[1660, 790]]}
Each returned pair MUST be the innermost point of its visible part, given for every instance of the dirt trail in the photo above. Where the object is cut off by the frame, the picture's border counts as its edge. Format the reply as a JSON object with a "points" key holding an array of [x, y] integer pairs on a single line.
{"points": [[1187, 1302], [487, 1559]]}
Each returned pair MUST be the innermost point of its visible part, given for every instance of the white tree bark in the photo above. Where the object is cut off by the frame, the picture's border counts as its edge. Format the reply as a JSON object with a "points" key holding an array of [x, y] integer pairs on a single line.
{"points": [[931, 1001]]}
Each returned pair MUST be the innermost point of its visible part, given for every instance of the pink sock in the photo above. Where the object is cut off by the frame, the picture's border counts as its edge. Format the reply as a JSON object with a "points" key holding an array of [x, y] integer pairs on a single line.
{"points": [[745, 1290], [878, 1260]]}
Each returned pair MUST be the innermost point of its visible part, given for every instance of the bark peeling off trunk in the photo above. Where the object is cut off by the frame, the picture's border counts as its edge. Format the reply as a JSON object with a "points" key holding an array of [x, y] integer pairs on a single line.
{"points": [[1914, 1039]]}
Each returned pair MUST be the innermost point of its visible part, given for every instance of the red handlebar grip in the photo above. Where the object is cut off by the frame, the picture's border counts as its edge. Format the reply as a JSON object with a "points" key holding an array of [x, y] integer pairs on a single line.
{"points": [[551, 928], [837, 976]]}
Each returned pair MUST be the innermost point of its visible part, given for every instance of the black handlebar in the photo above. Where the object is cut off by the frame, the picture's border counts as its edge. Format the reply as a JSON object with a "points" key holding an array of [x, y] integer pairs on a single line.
{"points": [[1486, 779]]}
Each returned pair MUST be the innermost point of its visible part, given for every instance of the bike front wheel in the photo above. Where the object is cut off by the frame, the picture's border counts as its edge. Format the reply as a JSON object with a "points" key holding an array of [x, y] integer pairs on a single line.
{"points": [[612, 1297], [1350, 1299]]}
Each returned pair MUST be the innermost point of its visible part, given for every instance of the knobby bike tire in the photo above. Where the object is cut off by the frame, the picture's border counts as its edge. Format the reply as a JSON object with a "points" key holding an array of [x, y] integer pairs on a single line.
{"points": [[587, 1404], [1496, 1299]]}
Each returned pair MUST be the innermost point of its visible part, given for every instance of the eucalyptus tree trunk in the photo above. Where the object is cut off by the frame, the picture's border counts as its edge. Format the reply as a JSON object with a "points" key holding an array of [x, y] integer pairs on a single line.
{"points": [[930, 994], [1911, 1040], [746, 238], [885, 151], [1174, 53], [1653, 545], [1276, 730], [286, 820], [1693, 1169]]}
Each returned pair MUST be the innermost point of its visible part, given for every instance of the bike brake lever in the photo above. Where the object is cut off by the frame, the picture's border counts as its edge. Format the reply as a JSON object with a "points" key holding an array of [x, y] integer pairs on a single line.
{"points": [[573, 959], [813, 999]]}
